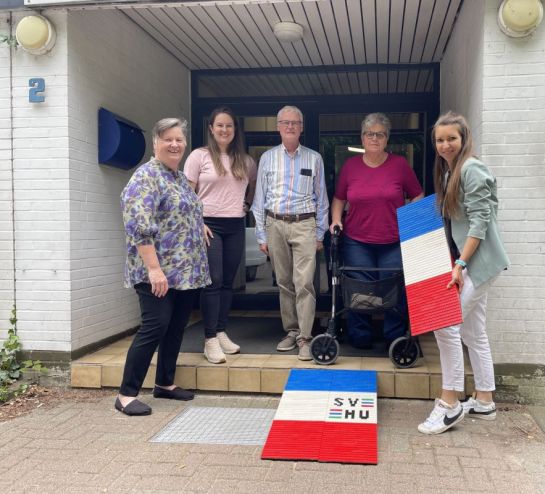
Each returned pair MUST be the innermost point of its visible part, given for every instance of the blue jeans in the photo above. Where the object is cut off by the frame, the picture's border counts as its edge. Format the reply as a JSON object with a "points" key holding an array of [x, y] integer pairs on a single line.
{"points": [[359, 254]]}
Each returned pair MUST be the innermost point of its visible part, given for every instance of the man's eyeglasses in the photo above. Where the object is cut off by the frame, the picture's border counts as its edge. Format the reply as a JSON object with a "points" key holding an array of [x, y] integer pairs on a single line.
{"points": [[289, 123], [378, 135]]}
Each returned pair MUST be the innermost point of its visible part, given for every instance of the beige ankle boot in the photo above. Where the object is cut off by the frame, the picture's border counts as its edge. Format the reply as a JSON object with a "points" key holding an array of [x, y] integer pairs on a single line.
{"points": [[226, 344], [213, 351]]}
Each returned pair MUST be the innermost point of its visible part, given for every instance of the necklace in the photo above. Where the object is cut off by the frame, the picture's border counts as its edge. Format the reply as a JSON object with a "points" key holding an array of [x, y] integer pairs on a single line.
{"points": [[372, 164]]}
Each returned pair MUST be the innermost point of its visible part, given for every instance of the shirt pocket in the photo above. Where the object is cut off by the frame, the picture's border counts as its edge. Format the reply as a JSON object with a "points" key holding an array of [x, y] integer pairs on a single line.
{"points": [[305, 183]]}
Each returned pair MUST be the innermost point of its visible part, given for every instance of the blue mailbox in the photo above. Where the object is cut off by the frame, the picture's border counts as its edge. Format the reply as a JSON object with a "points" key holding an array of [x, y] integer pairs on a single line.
{"points": [[120, 143]]}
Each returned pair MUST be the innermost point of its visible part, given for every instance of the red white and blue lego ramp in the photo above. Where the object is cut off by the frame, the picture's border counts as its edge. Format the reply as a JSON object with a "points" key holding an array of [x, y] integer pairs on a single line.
{"points": [[427, 267], [326, 415]]}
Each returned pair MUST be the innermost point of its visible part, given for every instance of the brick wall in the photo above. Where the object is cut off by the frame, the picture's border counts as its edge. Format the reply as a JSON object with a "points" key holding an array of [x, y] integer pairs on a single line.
{"points": [[513, 145], [41, 183], [111, 63], [499, 84], [69, 253]]}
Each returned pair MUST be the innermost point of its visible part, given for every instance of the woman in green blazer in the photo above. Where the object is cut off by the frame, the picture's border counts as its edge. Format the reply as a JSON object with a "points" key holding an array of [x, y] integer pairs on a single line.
{"points": [[466, 193]]}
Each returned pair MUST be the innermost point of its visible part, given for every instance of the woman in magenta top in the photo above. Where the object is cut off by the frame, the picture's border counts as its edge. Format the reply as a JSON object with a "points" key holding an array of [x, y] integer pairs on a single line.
{"points": [[374, 185], [223, 176]]}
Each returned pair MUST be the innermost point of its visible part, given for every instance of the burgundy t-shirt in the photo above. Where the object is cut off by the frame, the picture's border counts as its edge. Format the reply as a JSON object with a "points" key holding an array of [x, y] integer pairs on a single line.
{"points": [[373, 195]]}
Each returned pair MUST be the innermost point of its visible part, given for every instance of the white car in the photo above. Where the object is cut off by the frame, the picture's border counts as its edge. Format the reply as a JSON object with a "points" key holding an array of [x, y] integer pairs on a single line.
{"points": [[254, 257]]}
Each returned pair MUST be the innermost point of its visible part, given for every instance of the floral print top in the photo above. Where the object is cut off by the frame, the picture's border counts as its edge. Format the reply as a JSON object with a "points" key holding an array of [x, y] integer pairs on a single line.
{"points": [[161, 209]]}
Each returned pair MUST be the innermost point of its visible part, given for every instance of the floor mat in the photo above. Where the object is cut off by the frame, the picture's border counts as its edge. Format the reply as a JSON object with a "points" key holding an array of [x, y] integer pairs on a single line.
{"points": [[215, 425], [260, 335]]}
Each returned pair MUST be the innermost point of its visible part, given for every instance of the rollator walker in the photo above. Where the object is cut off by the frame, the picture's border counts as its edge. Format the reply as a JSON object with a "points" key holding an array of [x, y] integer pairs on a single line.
{"points": [[365, 297]]}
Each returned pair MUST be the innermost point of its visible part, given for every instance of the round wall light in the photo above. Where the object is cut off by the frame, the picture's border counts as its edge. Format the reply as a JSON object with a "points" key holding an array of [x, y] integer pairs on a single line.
{"points": [[35, 34], [288, 32], [519, 18]]}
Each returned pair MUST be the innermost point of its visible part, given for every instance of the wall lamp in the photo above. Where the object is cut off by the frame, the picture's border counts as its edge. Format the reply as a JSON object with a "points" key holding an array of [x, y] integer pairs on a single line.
{"points": [[35, 34], [520, 18]]}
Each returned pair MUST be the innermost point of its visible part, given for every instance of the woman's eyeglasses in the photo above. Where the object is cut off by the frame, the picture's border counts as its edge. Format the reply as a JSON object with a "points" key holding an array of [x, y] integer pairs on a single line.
{"points": [[372, 135]]}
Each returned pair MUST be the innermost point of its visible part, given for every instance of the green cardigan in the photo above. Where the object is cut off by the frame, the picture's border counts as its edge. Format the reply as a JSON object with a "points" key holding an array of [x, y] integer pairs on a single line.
{"points": [[477, 217]]}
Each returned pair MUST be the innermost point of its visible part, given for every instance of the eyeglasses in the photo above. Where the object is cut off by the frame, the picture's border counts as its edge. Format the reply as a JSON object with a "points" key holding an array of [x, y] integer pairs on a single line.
{"points": [[372, 135], [289, 123]]}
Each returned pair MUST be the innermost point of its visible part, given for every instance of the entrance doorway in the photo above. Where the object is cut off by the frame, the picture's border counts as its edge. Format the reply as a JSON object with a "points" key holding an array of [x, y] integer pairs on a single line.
{"points": [[331, 126]]}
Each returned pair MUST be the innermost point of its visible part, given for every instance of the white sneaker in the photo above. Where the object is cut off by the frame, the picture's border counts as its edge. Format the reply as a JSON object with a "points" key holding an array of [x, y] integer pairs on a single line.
{"points": [[226, 344], [213, 351], [442, 417], [478, 409]]}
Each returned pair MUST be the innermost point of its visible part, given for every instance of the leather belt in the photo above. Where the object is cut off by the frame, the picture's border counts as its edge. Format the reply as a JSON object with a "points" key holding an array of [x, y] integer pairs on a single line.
{"points": [[290, 218]]}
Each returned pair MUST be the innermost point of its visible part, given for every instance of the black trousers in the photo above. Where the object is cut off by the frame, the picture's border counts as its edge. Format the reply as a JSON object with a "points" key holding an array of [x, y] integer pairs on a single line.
{"points": [[224, 254], [163, 322]]}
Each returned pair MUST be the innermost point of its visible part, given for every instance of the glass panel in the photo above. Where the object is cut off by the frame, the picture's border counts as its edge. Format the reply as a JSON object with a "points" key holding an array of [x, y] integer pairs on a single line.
{"points": [[259, 124]]}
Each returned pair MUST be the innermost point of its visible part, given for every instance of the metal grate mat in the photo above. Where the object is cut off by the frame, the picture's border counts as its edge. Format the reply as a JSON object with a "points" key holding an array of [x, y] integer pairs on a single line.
{"points": [[215, 425]]}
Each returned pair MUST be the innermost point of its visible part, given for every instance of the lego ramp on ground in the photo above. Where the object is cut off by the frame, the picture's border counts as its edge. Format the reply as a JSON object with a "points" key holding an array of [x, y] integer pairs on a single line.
{"points": [[327, 416]]}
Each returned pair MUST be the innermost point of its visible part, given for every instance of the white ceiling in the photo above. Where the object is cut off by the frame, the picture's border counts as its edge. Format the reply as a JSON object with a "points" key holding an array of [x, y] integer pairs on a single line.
{"points": [[239, 34], [374, 46]]}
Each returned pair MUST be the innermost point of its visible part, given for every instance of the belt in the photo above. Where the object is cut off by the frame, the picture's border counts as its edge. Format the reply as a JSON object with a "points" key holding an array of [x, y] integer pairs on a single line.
{"points": [[290, 218]]}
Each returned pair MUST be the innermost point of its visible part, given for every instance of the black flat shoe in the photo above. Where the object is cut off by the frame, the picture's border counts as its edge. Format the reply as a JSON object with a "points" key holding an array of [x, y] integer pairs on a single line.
{"points": [[173, 394], [135, 408]]}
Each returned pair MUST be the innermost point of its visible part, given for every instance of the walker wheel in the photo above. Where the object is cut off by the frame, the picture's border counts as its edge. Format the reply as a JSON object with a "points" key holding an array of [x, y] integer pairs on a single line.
{"points": [[324, 349], [404, 352]]}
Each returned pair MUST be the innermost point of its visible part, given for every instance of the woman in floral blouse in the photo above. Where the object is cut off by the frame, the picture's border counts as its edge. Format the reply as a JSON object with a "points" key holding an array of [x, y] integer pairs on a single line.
{"points": [[166, 264]]}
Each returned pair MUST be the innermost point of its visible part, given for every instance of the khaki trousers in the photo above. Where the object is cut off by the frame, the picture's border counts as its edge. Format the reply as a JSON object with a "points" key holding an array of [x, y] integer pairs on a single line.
{"points": [[292, 249]]}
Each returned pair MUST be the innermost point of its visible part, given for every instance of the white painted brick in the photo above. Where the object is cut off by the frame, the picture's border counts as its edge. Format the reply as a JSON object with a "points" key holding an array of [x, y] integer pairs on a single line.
{"points": [[101, 306], [507, 77]]}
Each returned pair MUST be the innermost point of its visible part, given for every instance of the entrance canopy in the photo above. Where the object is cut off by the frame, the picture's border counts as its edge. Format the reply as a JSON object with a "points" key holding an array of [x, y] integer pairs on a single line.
{"points": [[238, 34]]}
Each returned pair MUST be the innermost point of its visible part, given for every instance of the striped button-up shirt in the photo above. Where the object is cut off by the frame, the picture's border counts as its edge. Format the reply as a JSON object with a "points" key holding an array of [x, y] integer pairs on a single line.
{"points": [[290, 184]]}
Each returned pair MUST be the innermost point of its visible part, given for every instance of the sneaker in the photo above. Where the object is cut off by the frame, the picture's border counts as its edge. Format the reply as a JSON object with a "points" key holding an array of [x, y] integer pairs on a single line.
{"points": [[304, 349], [442, 417], [479, 409], [226, 344], [213, 351], [287, 343]]}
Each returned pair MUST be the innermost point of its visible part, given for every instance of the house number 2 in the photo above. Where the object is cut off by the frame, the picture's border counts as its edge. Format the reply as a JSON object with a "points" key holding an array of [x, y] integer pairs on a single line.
{"points": [[37, 86]]}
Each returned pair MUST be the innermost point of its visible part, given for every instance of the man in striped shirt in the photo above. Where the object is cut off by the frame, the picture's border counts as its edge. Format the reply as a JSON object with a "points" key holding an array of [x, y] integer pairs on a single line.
{"points": [[290, 209]]}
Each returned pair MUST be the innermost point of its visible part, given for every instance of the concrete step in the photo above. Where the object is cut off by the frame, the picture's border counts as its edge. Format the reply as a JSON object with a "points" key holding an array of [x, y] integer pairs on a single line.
{"points": [[259, 373]]}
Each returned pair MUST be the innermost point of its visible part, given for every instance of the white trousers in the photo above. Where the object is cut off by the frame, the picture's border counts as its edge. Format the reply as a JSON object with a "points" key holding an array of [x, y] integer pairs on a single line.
{"points": [[473, 333]]}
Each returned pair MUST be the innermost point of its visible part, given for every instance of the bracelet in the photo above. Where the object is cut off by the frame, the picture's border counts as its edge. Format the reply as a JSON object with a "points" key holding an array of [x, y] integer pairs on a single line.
{"points": [[461, 263], [247, 204]]}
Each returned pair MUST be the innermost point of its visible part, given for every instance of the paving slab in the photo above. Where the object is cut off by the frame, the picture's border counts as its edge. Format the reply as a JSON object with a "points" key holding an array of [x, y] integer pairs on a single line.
{"points": [[90, 447]]}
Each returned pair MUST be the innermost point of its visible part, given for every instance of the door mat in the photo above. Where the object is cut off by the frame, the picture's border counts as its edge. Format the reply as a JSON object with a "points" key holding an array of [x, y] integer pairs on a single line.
{"points": [[327, 416], [260, 335], [216, 425]]}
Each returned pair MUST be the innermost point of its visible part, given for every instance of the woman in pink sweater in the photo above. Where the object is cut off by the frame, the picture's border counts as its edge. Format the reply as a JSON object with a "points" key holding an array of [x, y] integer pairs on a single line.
{"points": [[223, 175]]}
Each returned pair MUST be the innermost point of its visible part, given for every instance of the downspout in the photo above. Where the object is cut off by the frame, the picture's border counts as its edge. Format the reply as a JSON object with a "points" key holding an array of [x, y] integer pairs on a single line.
{"points": [[11, 158]]}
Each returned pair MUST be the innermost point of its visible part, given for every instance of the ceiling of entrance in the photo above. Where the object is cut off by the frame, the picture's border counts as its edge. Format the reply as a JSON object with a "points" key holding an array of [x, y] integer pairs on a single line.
{"points": [[349, 47], [239, 33]]}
